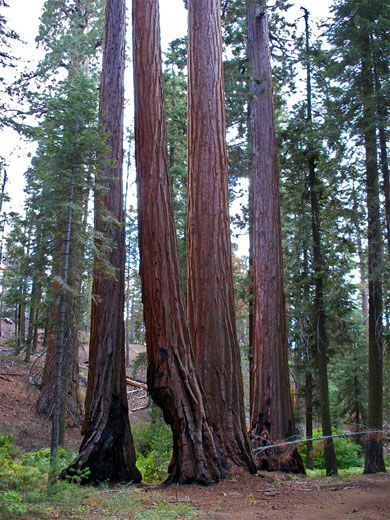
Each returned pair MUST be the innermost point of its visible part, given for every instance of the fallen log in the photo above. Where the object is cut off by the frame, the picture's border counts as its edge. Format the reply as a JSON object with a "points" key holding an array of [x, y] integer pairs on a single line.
{"points": [[129, 382]]}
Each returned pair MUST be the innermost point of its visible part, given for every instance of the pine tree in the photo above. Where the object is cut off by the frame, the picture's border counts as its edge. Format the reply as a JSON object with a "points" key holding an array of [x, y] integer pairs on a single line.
{"points": [[357, 24]]}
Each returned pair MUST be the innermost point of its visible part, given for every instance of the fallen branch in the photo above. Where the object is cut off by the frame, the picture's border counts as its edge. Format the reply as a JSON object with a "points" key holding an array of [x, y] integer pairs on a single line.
{"points": [[129, 381], [314, 439], [140, 408], [137, 384]]}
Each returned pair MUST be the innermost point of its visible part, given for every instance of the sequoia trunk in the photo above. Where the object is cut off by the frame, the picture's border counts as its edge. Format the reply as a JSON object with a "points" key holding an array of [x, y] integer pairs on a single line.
{"points": [[210, 298], [107, 448], [271, 405], [172, 380]]}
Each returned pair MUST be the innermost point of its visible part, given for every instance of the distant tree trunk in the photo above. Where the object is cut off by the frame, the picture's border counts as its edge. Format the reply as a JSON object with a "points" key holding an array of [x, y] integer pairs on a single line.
{"points": [[309, 417], [374, 451], [107, 448], [61, 346], [1, 248], [271, 405], [308, 354], [382, 116], [45, 401], [172, 380], [21, 321], [363, 277], [31, 322], [321, 341], [210, 297]]}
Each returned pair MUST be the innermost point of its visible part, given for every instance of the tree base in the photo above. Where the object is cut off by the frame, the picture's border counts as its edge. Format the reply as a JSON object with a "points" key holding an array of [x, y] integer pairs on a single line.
{"points": [[106, 454], [374, 462], [279, 459]]}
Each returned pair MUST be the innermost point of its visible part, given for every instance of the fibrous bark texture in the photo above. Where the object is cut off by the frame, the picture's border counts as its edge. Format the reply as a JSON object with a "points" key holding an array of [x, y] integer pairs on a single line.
{"points": [[107, 448], [271, 407], [172, 381], [210, 298]]}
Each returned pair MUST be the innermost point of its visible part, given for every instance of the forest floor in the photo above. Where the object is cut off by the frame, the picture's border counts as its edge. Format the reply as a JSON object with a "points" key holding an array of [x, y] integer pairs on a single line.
{"points": [[240, 496]]}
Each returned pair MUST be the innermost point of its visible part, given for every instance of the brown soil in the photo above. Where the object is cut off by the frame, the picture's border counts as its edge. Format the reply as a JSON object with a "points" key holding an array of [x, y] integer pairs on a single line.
{"points": [[239, 497], [276, 496]]}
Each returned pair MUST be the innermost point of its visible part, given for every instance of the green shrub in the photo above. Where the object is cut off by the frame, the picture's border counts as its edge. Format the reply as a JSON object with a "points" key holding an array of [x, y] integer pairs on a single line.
{"points": [[23, 481], [348, 453], [153, 443], [41, 459], [11, 503]]}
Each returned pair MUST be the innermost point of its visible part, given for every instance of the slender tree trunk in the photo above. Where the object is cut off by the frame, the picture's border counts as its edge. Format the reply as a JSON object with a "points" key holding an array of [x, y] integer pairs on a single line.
{"points": [[172, 380], [374, 451], [107, 448], [382, 117], [271, 406], [45, 403], [363, 278], [45, 400], [1, 249], [210, 297], [61, 347], [16, 326], [31, 322], [321, 340], [308, 353], [309, 417]]}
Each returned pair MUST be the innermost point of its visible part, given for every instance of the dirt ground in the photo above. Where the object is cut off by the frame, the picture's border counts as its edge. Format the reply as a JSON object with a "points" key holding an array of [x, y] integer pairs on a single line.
{"points": [[240, 496], [276, 496]]}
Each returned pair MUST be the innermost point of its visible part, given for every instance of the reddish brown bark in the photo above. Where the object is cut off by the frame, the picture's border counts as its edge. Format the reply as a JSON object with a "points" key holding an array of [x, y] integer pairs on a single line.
{"points": [[210, 298], [107, 448], [270, 406], [172, 380]]}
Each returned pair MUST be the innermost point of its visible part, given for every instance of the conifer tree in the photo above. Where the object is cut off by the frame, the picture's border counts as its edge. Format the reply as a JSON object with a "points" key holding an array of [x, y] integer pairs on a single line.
{"points": [[358, 25]]}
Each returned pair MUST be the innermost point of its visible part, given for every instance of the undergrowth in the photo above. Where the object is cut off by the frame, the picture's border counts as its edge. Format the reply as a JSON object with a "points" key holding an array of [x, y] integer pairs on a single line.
{"points": [[24, 490], [153, 444], [348, 453]]}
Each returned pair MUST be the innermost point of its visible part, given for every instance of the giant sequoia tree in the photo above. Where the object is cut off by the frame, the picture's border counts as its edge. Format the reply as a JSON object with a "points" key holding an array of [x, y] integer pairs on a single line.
{"points": [[271, 406], [172, 381], [107, 448], [210, 298]]}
